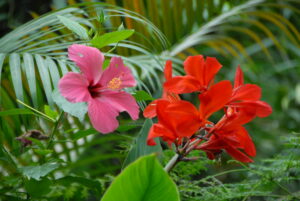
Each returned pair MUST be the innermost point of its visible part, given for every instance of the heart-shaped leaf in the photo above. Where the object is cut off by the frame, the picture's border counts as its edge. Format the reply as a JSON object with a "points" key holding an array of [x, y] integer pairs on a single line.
{"points": [[143, 180]]}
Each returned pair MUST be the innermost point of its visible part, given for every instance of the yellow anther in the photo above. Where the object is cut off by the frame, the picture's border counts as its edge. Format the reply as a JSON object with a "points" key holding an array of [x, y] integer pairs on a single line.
{"points": [[115, 83]]}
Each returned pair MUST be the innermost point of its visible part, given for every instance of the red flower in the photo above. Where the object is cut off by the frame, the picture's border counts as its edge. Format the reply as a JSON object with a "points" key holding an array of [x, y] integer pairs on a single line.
{"points": [[247, 96], [179, 119], [150, 110], [182, 119], [228, 134], [200, 74], [175, 121], [232, 142]]}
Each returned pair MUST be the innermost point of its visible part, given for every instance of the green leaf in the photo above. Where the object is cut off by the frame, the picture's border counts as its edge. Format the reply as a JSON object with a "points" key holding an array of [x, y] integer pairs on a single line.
{"points": [[45, 77], [74, 27], [36, 142], [105, 64], [143, 180], [31, 78], [38, 188], [142, 96], [126, 127], [51, 113], [15, 112], [43, 152], [15, 70], [81, 134], [90, 183], [75, 109], [38, 171], [140, 147], [112, 37]]}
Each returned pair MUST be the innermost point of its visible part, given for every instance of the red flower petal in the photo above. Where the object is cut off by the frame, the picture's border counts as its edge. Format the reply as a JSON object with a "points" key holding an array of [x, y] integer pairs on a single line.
{"points": [[182, 84], [168, 70], [215, 98], [238, 155], [239, 77], [158, 130], [194, 66], [212, 67], [246, 142], [259, 108], [150, 110], [246, 92]]}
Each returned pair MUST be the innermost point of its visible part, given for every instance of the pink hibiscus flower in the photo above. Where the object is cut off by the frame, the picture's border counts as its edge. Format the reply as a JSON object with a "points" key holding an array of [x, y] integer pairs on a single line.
{"points": [[100, 89]]}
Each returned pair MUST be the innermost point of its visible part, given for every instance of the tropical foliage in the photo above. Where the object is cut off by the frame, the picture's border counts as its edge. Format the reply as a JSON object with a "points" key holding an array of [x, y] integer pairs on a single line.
{"points": [[48, 147]]}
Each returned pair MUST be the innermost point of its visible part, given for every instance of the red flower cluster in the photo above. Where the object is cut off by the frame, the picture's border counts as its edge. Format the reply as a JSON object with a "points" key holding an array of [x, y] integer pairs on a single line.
{"points": [[181, 123]]}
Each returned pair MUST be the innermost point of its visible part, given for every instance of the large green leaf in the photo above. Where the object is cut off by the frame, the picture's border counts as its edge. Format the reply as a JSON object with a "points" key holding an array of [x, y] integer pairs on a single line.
{"points": [[112, 37], [140, 147], [143, 180]]}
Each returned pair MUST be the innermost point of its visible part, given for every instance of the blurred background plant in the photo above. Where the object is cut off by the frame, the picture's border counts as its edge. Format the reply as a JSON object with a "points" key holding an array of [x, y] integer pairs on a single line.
{"points": [[260, 35]]}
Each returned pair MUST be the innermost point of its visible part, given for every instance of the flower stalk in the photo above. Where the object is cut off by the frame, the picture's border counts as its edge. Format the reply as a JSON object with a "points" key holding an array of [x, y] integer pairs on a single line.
{"points": [[171, 164]]}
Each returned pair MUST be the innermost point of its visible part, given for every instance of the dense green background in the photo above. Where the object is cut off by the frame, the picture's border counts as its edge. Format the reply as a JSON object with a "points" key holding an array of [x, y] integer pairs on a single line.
{"points": [[262, 36]]}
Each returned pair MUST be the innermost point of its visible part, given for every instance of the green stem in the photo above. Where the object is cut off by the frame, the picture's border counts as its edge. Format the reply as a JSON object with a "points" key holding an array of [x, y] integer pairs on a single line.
{"points": [[171, 164], [36, 111], [55, 129]]}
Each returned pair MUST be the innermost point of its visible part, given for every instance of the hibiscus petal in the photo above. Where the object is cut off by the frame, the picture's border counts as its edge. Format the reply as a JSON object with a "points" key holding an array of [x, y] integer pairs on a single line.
{"points": [[246, 92], [74, 87], [239, 77], [182, 84], [212, 67], [118, 70], [88, 59], [103, 116], [121, 101], [215, 98]]}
